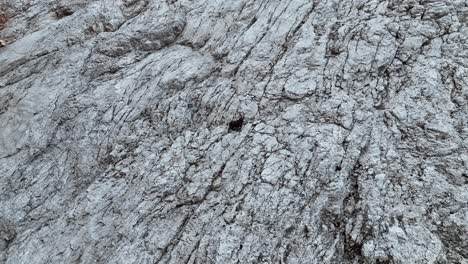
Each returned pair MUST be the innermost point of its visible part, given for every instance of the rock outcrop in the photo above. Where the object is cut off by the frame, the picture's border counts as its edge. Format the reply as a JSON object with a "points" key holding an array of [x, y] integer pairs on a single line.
{"points": [[177, 131]]}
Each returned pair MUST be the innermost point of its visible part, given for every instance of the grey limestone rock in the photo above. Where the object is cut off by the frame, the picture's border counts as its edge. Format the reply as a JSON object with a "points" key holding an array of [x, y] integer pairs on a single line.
{"points": [[178, 131]]}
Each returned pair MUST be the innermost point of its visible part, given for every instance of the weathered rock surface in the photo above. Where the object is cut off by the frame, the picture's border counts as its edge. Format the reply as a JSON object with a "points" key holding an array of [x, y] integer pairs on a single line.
{"points": [[149, 131]]}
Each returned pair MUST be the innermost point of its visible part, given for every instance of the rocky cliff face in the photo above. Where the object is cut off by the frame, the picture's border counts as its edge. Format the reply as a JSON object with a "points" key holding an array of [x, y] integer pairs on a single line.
{"points": [[178, 131]]}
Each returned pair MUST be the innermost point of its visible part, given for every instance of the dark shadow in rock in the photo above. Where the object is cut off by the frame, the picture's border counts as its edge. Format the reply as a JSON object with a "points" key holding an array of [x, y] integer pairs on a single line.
{"points": [[63, 11], [236, 125]]}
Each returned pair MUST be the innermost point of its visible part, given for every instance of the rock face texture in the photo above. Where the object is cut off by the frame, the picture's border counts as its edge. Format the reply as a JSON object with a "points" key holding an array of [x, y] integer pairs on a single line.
{"points": [[209, 131]]}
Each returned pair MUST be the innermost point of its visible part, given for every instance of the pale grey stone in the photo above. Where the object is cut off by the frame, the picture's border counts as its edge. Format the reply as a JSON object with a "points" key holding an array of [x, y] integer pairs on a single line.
{"points": [[137, 131]]}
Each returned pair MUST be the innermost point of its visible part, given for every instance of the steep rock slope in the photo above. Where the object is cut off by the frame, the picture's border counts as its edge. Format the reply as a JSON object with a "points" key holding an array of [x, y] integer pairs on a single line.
{"points": [[149, 131]]}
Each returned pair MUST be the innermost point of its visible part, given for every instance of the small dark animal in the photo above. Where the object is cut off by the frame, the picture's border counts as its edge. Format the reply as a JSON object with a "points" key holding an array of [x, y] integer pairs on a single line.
{"points": [[236, 125]]}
